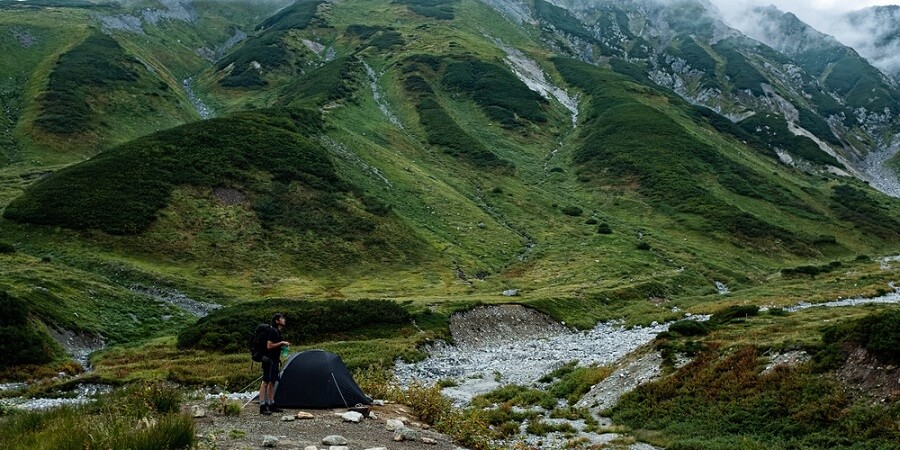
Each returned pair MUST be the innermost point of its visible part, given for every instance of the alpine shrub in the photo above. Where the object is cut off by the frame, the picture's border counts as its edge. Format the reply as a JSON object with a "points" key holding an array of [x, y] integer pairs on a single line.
{"points": [[689, 328]]}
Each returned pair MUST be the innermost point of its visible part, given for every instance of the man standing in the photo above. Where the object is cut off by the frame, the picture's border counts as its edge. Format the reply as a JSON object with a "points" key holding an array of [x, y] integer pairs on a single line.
{"points": [[270, 365]]}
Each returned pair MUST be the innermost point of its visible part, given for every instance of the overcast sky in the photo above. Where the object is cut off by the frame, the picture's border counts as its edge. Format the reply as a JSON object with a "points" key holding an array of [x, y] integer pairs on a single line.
{"points": [[821, 14], [802, 7], [814, 12]]}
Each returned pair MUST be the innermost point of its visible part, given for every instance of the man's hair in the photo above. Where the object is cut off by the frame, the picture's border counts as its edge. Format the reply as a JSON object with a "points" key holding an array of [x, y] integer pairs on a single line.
{"points": [[276, 317]]}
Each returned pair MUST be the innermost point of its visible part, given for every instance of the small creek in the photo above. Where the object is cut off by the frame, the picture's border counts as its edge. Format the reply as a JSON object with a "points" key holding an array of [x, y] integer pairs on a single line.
{"points": [[204, 111]]}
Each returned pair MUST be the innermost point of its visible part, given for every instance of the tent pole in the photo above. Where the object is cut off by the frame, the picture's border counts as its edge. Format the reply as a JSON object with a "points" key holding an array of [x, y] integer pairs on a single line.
{"points": [[339, 391], [245, 388]]}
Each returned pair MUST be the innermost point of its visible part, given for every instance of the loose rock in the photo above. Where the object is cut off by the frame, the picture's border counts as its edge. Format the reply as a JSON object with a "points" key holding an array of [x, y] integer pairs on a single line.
{"points": [[405, 434], [393, 425], [287, 418], [335, 439], [198, 411], [352, 416], [269, 441], [302, 415]]}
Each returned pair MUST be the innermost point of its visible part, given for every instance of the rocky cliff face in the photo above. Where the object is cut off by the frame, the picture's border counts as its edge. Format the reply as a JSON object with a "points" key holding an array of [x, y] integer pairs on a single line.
{"points": [[776, 67]]}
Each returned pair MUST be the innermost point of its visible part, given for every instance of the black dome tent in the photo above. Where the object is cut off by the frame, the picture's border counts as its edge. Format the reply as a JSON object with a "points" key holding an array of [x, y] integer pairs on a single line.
{"points": [[317, 379]]}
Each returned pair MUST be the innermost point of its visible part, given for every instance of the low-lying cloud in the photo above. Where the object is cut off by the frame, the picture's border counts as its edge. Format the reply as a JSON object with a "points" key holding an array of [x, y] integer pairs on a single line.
{"points": [[873, 36]]}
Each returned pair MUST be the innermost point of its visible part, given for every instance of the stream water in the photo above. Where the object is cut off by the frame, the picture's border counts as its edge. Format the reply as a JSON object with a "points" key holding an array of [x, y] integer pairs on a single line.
{"points": [[478, 369]]}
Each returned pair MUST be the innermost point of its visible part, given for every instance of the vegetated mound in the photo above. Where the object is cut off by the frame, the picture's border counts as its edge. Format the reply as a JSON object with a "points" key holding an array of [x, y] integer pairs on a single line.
{"points": [[98, 61], [228, 329], [879, 334], [435, 9], [336, 80], [120, 190], [96, 79], [723, 400], [22, 340], [267, 157]]}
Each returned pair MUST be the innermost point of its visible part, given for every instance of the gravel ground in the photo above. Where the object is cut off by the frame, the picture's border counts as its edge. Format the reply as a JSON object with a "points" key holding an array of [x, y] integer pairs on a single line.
{"points": [[249, 429], [506, 344]]}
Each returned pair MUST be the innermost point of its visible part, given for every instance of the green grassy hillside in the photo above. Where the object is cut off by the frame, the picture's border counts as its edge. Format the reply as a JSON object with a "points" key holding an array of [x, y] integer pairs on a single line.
{"points": [[477, 175], [384, 163]]}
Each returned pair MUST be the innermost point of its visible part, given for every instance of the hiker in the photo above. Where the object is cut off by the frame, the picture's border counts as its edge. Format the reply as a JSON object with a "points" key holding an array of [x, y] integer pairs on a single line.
{"points": [[270, 364]]}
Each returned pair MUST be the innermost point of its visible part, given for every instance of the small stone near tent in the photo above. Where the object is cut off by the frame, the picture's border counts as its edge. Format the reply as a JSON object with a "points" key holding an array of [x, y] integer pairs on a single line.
{"points": [[317, 379]]}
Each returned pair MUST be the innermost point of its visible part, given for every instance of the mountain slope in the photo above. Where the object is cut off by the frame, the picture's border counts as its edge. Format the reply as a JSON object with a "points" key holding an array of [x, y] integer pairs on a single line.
{"points": [[819, 89], [453, 145]]}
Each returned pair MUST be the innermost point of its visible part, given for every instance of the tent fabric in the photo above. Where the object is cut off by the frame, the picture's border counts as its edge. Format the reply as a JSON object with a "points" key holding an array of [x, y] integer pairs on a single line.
{"points": [[317, 379]]}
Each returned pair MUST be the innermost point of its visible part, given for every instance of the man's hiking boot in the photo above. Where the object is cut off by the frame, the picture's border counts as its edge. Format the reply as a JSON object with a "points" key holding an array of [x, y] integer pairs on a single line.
{"points": [[273, 409], [264, 410]]}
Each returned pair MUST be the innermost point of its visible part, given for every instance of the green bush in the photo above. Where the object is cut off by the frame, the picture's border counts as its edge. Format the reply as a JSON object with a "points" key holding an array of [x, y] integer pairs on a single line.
{"points": [[859, 207], [689, 328], [604, 228], [561, 19], [732, 313], [228, 329], [816, 125], [502, 95], [516, 395], [773, 129], [297, 16], [629, 140], [877, 333], [573, 385], [268, 50], [811, 270], [436, 9], [573, 211], [696, 56], [21, 340], [740, 70], [543, 428], [381, 38], [643, 245], [6, 247], [334, 81]]}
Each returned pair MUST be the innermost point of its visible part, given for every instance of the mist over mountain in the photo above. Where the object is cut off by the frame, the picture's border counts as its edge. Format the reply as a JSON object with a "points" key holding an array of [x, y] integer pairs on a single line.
{"points": [[872, 31]]}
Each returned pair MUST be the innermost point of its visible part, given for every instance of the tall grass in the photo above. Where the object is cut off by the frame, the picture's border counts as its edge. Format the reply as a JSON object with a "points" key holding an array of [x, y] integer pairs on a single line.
{"points": [[141, 417], [467, 427]]}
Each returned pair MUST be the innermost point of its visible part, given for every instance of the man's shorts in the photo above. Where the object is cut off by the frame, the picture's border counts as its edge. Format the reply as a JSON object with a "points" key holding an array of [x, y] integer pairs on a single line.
{"points": [[270, 370]]}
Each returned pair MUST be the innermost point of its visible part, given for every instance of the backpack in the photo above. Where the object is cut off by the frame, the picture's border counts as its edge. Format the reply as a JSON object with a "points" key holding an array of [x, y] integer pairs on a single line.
{"points": [[258, 342]]}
